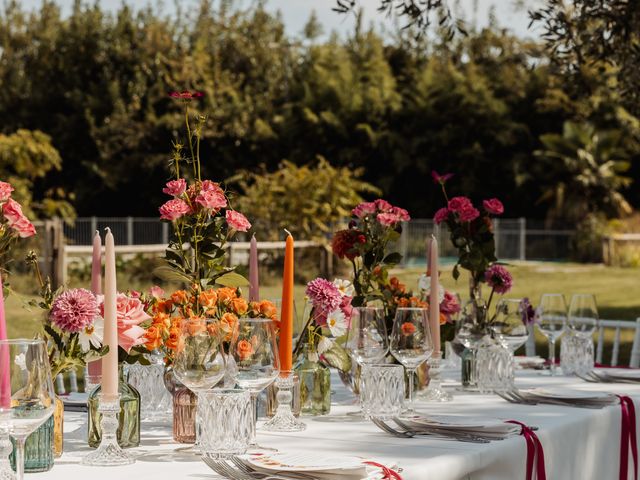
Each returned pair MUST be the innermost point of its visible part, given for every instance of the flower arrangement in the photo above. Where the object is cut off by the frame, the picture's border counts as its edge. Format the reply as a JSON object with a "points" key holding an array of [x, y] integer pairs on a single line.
{"points": [[328, 323], [471, 232], [201, 216], [13, 223], [168, 314]]}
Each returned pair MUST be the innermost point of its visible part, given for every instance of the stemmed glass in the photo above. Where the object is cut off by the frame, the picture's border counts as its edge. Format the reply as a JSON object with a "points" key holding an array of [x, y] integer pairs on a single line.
{"points": [[551, 321], [583, 315], [27, 397], [509, 325], [411, 343], [253, 348]]}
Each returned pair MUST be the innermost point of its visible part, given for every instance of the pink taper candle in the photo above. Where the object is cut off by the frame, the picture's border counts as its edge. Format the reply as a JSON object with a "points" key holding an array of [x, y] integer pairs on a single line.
{"points": [[5, 380], [254, 285], [110, 360], [434, 297], [95, 367]]}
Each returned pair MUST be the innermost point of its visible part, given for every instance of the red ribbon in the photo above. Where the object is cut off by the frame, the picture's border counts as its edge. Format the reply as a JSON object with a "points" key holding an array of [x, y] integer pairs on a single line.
{"points": [[535, 452], [389, 474], [628, 437]]}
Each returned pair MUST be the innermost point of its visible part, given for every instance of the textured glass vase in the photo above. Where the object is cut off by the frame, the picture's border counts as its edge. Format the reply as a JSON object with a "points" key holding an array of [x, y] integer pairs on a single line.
{"points": [[315, 387], [148, 380], [45, 444], [184, 407], [128, 421]]}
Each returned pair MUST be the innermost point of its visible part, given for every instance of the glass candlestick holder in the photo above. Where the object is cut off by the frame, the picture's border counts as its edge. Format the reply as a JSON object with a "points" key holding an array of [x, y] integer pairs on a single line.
{"points": [[284, 420], [6, 447], [109, 452], [434, 391]]}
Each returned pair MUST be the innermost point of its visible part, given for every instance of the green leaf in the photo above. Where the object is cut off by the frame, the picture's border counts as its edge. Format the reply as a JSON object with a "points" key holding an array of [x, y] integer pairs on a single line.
{"points": [[232, 279], [337, 357], [456, 272], [392, 259], [169, 274]]}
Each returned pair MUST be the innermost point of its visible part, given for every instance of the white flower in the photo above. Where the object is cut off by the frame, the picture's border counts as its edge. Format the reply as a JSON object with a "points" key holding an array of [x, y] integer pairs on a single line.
{"points": [[337, 323], [92, 335], [313, 356], [324, 344], [345, 287], [424, 284], [21, 361]]}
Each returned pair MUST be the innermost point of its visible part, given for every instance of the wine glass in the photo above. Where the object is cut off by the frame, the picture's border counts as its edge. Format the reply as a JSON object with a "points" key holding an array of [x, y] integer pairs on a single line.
{"points": [[253, 348], [509, 325], [551, 321], [583, 315], [367, 340], [411, 343], [27, 397]]}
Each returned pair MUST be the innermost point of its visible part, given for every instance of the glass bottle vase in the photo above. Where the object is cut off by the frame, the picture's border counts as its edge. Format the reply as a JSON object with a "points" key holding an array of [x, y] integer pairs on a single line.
{"points": [[184, 406], [128, 421], [315, 387]]}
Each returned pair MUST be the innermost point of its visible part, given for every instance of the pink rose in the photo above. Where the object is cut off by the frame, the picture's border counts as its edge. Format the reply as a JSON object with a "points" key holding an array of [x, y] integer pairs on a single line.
{"points": [[468, 214], [449, 305], [347, 309], [212, 199], [441, 215], [156, 292], [383, 205], [175, 188], [387, 219], [237, 221], [12, 211], [402, 214], [24, 228], [209, 186], [493, 206], [5, 191], [457, 204], [364, 209], [131, 337], [130, 311], [174, 209]]}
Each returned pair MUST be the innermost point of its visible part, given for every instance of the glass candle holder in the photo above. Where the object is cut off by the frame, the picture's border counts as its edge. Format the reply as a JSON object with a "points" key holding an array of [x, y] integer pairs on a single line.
{"points": [[382, 391], [109, 452], [284, 420]]}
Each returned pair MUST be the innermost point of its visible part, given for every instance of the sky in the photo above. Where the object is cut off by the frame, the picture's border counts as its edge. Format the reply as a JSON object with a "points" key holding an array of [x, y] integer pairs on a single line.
{"points": [[295, 13]]}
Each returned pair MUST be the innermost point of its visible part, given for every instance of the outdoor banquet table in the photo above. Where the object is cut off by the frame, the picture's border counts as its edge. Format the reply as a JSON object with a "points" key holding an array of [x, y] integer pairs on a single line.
{"points": [[579, 443]]}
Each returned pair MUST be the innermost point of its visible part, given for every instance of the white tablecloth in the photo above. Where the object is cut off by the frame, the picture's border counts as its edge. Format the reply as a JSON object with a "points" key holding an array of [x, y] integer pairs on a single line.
{"points": [[578, 443]]}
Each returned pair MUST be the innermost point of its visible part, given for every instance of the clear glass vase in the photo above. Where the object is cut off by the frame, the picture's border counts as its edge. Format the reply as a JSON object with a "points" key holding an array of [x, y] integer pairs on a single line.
{"points": [[148, 380], [315, 386], [45, 444], [128, 421]]}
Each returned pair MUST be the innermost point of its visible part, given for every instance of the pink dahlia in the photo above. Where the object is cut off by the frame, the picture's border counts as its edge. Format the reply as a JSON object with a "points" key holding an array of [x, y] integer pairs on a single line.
{"points": [[388, 219], [175, 188], [493, 206], [499, 278], [323, 294], [74, 310], [441, 215], [212, 199], [383, 205], [174, 209], [364, 209], [237, 221], [5, 191]]}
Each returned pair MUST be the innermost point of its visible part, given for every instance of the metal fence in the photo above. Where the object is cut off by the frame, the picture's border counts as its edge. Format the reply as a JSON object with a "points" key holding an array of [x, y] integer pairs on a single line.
{"points": [[516, 239]]}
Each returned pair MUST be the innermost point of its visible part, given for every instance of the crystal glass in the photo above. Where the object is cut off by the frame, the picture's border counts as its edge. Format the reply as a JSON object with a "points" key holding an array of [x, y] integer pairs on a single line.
{"points": [[552, 321], [494, 366], [367, 337], [284, 419], [272, 394], [225, 422], [382, 393], [509, 325], [576, 354], [471, 328], [27, 397], [411, 343], [583, 315], [148, 380], [6, 449], [257, 364]]}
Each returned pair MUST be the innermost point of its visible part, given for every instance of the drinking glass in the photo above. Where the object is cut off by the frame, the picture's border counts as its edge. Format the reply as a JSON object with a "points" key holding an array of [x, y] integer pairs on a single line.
{"points": [[382, 392], [367, 336], [551, 321], [411, 343], [509, 325], [583, 315], [257, 364], [27, 397]]}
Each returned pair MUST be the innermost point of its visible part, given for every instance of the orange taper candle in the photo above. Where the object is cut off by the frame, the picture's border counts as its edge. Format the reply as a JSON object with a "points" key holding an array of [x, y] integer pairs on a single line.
{"points": [[286, 312]]}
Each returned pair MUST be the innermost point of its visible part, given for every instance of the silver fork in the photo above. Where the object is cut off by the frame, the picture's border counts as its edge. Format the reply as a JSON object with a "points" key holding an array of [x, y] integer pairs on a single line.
{"points": [[222, 468], [459, 436], [409, 433], [248, 470], [396, 433], [521, 398]]}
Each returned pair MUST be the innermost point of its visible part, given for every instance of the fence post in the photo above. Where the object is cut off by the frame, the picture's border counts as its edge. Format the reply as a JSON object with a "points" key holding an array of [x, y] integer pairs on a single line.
{"points": [[129, 230], [496, 235], [403, 243], [58, 254], [523, 238], [94, 226], [165, 233]]}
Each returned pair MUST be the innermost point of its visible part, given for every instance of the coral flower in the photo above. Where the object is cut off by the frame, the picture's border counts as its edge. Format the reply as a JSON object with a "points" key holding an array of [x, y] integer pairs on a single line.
{"points": [[407, 329], [239, 306], [245, 350], [237, 221]]}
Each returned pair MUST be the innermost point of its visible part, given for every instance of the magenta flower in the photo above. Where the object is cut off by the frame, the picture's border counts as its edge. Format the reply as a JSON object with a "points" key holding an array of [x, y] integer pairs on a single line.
{"points": [[441, 215], [175, 188], [324, 295], [364, 209], [468, 214], [74, 310], [401, 213], [527, 311], [440, 179], [174, 209], [212, 199], [5, 191], [186, 95], [499, 279], [388, 219], [493, 206], [237, 221], [449, 305], [383, 206], [458, 204]]}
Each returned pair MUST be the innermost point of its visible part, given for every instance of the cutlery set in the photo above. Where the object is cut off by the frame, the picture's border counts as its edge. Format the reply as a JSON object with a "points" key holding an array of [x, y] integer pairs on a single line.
{"points": [[239, 470]]}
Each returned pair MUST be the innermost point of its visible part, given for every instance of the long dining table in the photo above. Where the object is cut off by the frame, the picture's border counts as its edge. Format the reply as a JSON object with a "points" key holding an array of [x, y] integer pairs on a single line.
{"points": [[578, 443]]}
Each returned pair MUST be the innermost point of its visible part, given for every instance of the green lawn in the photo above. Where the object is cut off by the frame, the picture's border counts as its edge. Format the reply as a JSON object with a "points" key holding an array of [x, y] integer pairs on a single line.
{"points": [[617, 291]]}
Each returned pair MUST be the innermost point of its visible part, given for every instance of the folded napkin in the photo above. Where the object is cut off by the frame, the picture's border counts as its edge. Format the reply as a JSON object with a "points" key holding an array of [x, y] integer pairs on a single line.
{"points": [[626, 376], [488, 428], [561, 396]]}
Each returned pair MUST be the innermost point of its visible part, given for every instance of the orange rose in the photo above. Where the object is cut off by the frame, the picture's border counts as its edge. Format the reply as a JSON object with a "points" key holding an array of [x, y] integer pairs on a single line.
{"points": [[245, 350], [254, 309], [213, 328], [226, 294], [403, 302], [443, 318], [208, 299], [268, 310], [180, 297], [239, 306], [163, 306], [408, 328], [174, 339], [227, 325], [153, 338], [195, 326]]}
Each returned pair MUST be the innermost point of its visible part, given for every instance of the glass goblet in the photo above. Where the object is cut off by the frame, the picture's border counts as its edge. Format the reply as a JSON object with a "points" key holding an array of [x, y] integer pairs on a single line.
{"points": [[552, 321], [509, 325]]}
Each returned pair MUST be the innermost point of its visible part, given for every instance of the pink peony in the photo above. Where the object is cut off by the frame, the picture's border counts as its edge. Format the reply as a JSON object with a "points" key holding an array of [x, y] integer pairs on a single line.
{"points": [[387, 219], [458, 204], [175, 188], [237, 221], [441, 215], [212, 199], [499, 278], [324, 295], [174, 209], [5, 191], [449, 305], [402, 214], [468, 214], [74, 310], [493, 206], [129, 315], [364, 209], [383, 205], [12, 211]]}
